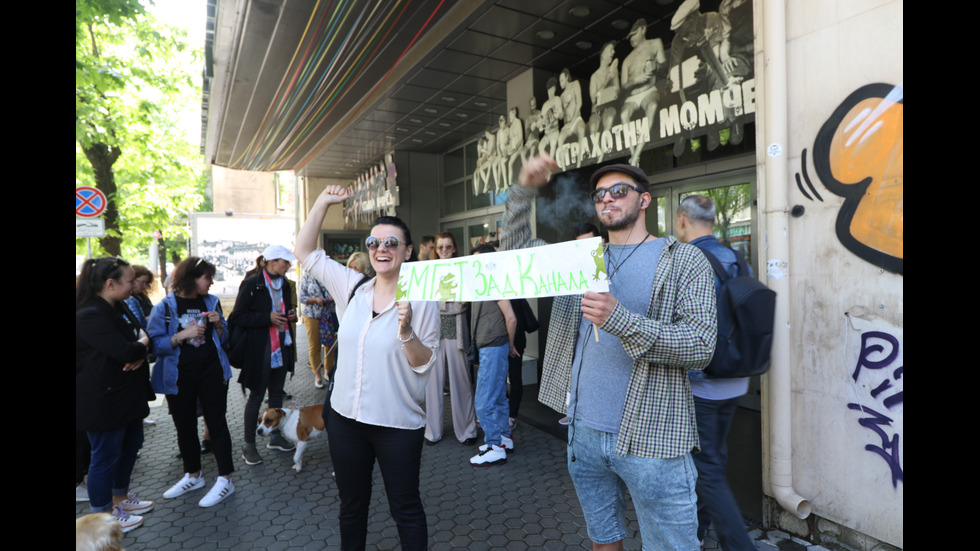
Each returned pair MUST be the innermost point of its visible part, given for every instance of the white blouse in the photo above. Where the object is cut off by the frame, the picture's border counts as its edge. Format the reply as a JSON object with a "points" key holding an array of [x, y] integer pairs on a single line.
{"points": [[374, 383]]}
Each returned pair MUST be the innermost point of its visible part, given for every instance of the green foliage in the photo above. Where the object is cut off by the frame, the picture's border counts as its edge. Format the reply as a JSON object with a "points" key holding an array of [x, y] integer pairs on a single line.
{"points": [[729, 202], [133, 75]]}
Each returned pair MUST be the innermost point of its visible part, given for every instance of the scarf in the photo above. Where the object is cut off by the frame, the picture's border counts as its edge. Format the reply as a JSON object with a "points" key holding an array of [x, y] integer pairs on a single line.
{"points": [[278, 306]]}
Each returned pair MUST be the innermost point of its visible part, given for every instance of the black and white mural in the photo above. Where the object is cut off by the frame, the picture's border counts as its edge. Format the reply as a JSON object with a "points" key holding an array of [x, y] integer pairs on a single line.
{"points": [[373, 194], [699, 86]]}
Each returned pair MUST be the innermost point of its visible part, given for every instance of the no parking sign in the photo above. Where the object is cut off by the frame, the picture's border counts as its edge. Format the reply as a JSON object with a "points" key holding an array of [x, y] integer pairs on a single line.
{"points": [[89, 202]]}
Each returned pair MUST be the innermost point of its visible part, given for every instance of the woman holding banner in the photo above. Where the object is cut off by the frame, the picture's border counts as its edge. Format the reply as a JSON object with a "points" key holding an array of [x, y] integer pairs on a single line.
{"points": [[454, 342], [386, 351]]}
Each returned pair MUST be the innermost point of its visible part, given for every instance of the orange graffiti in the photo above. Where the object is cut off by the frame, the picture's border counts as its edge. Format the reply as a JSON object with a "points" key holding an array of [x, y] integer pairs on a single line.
{"points": [[859, 154], [869, 142]]}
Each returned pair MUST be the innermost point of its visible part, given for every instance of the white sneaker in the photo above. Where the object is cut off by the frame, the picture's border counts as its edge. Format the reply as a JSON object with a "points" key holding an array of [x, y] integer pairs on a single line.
{"points": [[126, 520], [185, 485], [489, 455], [221, 489], [507, 443], [134, 506], [81, 492]]}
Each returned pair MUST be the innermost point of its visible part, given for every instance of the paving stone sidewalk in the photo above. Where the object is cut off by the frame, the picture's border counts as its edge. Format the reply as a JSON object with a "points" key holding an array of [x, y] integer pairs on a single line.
{"points": [[527, 503]]}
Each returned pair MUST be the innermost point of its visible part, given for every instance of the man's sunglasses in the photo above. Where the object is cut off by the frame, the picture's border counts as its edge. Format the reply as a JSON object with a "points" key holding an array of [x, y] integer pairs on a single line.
{"points": [[390, 242], [618, 191]]}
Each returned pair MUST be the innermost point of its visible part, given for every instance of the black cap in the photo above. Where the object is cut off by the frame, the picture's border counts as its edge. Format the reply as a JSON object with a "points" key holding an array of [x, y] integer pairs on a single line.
{"points": [[638, 175]]}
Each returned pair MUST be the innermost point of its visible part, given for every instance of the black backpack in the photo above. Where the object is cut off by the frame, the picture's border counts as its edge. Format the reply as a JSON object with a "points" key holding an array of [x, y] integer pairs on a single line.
{"points": [[746, 316]]}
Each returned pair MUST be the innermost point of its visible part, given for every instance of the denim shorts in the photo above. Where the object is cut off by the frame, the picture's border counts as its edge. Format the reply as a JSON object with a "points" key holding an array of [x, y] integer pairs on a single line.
{"points": [[662, 491]]}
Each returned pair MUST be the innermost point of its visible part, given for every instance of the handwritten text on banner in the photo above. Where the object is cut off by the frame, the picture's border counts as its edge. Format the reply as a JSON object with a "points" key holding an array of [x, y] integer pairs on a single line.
{"points": [[569, 268]]}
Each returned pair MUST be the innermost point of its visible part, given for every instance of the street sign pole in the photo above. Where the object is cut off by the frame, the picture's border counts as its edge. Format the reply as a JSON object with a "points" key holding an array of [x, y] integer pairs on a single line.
{"points": [[89, 203]]}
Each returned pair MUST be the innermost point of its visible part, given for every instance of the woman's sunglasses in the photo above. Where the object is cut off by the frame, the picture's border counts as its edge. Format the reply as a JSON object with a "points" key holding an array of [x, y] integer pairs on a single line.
{"points": [[390, 242], [617, 191]]}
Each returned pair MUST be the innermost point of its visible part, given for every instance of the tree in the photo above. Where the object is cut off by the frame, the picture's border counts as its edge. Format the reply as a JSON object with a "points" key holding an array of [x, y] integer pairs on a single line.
{"points": [[132, 75], [729, 202]]}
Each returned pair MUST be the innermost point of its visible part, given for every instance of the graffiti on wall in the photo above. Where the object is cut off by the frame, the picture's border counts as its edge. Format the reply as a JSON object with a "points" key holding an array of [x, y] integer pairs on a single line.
{"points": [[701, 86], [858, 154], [879, 369]]}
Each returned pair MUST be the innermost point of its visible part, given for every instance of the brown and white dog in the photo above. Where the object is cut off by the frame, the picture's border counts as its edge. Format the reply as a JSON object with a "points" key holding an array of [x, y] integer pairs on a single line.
{"points": [[98, 532], [299, 425]]}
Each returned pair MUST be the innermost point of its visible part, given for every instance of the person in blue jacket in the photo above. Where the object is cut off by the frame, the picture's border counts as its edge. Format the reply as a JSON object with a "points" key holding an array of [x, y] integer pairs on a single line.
{"points": [[188, 330]]}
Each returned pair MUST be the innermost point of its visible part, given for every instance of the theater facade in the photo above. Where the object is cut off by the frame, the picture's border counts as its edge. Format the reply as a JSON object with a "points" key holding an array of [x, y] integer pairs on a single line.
{"points": [[789, 114]]}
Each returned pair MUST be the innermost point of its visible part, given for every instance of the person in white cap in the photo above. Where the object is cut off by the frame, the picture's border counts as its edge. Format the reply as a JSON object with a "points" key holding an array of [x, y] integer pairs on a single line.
{"points": [[264, 343]]}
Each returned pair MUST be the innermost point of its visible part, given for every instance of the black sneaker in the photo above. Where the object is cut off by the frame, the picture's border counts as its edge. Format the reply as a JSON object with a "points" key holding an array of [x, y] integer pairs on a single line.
{"points": [[277, 442], [251, 455]]}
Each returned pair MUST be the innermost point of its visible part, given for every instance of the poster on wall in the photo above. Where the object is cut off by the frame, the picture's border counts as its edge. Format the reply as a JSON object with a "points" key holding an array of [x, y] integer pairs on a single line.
{"points": [[373, 194], [696, 83], [232, 243]]}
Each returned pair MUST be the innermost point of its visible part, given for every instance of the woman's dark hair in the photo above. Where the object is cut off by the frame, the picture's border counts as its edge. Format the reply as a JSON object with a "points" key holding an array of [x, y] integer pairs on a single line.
{"points": [[95, 273], [484, 248], [584, 227], [397, 222], [143, 271], [259, 263], [187, 272], [451, 237]]}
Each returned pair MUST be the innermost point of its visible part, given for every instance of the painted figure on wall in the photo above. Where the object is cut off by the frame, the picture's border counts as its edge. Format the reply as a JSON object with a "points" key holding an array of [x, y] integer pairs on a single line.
{"points": [[705, 36], [604, 91], [515, 146], [573, 127], [503, 154], [551, 114], [532, 127], [643, 66]]}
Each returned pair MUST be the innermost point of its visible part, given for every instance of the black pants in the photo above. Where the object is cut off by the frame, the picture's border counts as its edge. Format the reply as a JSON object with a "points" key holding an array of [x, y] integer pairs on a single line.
{"points": [[83, 456], [276, 388], [209, 386], [354, 447], [515, 372]]}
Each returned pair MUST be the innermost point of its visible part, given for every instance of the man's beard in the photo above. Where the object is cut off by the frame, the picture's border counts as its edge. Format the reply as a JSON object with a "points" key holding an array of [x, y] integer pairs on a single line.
{"points": [[629, 217]]}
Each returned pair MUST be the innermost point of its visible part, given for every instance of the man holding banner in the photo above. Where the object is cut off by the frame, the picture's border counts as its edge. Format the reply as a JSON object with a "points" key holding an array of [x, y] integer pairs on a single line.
{"points": [[617, 363]]}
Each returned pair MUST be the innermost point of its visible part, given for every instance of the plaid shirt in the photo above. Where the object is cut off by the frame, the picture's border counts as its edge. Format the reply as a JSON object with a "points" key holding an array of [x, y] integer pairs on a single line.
{"points": [[677, 334]]}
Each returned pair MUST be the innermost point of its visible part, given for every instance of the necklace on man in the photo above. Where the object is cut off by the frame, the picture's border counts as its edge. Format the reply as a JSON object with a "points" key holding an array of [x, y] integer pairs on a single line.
{"points": [[613, 265]]}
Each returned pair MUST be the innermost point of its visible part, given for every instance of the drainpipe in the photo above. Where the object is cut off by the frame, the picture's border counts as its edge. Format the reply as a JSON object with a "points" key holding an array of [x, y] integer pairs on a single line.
{"points": [[776, 139]]}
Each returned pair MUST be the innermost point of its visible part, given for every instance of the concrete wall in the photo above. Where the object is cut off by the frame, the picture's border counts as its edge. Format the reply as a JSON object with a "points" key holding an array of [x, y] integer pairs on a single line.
{"points": [[243, 192], [334, 220], [845, 265], [419, 176]]}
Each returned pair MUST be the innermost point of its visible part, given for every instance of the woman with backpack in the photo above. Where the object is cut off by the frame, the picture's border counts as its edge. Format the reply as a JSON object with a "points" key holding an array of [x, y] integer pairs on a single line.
{"points": [[188, 330]]}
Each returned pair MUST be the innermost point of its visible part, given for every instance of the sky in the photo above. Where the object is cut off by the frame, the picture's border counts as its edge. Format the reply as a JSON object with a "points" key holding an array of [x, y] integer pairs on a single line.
{"points": [[192, 16]]}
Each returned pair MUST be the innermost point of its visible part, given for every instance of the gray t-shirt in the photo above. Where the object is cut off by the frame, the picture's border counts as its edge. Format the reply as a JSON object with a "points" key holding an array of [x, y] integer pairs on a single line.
{"points": [[598, 390]]}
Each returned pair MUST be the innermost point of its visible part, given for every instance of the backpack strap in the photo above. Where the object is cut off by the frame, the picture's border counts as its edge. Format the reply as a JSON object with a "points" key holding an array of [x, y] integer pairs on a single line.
{"points": [[360, 282], [716, 265]]}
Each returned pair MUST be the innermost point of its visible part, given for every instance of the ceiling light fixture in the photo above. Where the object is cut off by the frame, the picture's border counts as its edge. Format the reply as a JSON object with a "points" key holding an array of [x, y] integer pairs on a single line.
{"points": [[545, 34], [580, 11]]}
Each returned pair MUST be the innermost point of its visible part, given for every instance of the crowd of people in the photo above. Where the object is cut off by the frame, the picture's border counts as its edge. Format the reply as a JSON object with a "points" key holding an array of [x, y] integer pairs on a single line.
{"points": [[619, 365]]}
